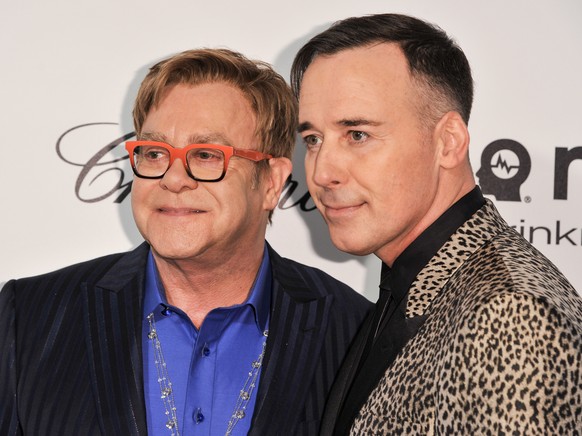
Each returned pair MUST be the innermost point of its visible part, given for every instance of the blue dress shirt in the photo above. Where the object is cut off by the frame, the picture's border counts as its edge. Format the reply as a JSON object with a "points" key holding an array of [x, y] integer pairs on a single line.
{"points": [[208, 366]]}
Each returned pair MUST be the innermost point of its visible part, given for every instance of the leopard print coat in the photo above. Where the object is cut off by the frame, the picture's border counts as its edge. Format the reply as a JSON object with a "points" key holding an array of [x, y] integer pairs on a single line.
{"points": [[500, 351]]}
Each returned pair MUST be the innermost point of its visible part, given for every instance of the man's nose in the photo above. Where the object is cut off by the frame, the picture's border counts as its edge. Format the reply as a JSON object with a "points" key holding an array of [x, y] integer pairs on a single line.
{"points": [[177, 179], [328, 166]]}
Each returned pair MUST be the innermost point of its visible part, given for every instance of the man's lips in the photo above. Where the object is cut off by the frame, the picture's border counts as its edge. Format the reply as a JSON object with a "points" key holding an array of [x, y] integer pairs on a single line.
{"points": [[179, 211], [335, 210]]}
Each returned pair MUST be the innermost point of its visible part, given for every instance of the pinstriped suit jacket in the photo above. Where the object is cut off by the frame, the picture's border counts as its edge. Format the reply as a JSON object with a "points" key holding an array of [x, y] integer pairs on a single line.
{"points": [[70, 349]]}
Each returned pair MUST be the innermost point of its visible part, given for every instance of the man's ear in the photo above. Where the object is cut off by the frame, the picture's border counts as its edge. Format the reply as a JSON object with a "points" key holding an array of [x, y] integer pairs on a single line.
{"points": [[452, 135], [274, 180]]}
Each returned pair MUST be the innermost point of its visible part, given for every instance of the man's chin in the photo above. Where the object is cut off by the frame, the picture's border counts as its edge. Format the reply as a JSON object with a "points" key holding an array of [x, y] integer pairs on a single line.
{"points": [[353, 247], [173, 253]]}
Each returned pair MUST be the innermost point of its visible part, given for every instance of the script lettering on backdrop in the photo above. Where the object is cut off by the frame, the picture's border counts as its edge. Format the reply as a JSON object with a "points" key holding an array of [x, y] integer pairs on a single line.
{"points": [[97, 161], [103, 161]]}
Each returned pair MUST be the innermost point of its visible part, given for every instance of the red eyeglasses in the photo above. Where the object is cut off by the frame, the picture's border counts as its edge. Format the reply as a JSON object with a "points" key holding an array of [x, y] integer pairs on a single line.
{"points": [[203, 162]]}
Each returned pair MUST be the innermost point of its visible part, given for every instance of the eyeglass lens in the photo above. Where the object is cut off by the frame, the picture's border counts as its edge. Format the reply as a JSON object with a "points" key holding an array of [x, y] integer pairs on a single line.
{"points": [[203, 163]]}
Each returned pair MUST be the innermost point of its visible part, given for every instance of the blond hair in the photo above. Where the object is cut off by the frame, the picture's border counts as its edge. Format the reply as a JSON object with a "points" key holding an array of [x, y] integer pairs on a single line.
{"points": [[270, 97]]}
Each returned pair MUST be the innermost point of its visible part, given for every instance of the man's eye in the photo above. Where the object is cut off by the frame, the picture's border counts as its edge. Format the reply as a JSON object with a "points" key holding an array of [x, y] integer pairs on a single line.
{"points": [[311, 140], [154, 155], [357, 135], [206, 155]]}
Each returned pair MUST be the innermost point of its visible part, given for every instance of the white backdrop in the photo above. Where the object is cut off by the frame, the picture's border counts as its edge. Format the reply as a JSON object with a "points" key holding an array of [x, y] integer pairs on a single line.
{"points": [[70, 63]]}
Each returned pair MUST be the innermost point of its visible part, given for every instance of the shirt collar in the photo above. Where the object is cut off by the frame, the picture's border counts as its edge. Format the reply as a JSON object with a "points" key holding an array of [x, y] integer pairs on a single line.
{"points": [[259, 297], [411, 261]]}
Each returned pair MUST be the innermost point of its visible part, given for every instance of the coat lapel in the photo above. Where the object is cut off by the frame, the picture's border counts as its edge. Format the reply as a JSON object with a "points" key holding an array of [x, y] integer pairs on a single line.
{"points": [[472, 235], [113, 319], [296, 332], [345, 378]]}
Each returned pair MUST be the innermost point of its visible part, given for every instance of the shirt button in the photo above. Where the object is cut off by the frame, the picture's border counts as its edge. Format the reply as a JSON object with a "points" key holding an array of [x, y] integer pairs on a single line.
{"points": [[166, 311], [198, 416], [205, 351]]}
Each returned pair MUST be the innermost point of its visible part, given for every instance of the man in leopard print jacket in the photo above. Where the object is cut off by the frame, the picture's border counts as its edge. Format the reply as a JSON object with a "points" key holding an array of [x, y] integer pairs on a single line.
{"points": [[475, 331]]}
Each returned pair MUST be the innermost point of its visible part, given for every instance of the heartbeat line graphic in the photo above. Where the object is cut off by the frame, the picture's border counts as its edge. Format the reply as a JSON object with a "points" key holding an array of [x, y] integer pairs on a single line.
{"points": [[501, 163]]}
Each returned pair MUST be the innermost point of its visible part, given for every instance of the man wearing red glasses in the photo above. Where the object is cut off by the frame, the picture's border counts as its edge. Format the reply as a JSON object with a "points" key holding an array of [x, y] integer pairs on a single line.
{"points": [[203, 329]]}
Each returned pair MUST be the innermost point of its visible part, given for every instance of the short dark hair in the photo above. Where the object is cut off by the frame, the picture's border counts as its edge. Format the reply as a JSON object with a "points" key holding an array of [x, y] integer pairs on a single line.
{"points": [[434, 59]]}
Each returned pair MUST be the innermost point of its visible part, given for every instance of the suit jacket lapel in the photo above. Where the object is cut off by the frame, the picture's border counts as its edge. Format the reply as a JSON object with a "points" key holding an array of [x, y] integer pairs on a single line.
{"points": [[113, 321], [296, 331], [344, 379], [473, 234]]}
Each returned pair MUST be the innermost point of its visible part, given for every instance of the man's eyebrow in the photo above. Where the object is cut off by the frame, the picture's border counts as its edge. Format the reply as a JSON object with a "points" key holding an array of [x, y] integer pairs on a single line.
{"points": [[355, 122], [304, 126], [209, 138], [346, 122], [152, 136]]}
